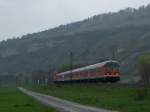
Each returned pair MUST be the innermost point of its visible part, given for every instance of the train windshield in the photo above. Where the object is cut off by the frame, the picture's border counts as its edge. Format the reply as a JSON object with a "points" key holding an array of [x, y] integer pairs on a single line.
{"points": [[112, 66]]}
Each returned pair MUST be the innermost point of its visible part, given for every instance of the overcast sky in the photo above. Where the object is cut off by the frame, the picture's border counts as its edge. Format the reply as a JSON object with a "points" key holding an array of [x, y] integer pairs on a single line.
{"points": [[19, 17]]}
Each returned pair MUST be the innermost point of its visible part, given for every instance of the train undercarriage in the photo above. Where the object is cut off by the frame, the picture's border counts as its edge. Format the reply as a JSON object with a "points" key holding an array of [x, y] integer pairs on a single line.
{"points": [[96, 80]]}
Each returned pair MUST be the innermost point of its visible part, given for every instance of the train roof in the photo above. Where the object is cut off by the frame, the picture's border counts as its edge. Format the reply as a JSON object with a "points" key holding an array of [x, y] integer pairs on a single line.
{"points": [[89, 67]]}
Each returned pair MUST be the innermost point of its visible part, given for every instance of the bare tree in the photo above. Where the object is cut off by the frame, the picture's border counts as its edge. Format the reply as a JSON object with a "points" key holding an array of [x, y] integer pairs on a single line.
{"points": [[144, 66]]}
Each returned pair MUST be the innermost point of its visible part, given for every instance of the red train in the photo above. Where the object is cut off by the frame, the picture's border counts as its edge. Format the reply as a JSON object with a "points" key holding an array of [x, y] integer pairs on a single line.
{"points": [[107, 71]]}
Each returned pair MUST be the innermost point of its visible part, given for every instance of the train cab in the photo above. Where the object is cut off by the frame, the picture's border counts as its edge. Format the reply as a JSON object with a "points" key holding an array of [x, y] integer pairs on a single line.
{"points": [[112, 72]]}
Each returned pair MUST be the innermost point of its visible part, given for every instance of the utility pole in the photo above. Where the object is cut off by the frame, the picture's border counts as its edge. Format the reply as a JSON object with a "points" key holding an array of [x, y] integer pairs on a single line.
{"points": [[113, 54], [113, 50], [71, 63], [51, 74]]}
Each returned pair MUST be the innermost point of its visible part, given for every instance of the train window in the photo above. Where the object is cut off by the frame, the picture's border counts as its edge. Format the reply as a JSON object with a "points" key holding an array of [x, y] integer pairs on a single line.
{"points": [[98, 69], [112, 66], [92, 71]]}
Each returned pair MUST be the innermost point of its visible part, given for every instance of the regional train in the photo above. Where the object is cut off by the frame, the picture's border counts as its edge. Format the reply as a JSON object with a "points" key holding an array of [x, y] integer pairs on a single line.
{"points": [[107, 71]]}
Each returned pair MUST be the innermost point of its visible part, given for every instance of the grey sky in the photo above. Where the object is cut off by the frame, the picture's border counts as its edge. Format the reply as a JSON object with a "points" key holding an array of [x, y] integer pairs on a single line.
{"points": [[18, 17]]}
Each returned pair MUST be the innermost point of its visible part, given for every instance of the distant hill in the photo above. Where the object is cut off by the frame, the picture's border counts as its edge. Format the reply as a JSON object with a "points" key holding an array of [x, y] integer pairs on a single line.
{"points": [[125, 33]]}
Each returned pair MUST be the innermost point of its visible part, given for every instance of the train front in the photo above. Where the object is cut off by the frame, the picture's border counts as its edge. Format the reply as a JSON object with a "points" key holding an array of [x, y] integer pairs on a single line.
{"points": [[112, 71]]}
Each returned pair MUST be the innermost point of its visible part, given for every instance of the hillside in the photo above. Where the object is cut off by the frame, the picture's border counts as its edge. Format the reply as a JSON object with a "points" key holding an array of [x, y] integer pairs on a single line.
{"points": [[126, 32]]}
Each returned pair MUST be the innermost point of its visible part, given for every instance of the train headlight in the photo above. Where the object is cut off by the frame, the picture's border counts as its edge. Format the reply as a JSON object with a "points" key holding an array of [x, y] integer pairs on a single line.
{"points": [[108, 74], [117, 74]]}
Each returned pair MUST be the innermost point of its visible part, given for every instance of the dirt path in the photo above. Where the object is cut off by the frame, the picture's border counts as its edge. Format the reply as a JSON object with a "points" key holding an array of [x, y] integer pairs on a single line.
{"points": [[60, 104]]}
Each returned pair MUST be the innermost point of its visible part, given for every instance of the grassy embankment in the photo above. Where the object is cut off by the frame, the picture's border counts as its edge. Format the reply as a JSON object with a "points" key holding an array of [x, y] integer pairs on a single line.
{"points": [[105, 96], [11, 100]]}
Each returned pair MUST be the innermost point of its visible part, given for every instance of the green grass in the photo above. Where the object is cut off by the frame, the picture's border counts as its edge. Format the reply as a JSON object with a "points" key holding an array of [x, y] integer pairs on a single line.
{"points": [[12, 100], [105, 96]]}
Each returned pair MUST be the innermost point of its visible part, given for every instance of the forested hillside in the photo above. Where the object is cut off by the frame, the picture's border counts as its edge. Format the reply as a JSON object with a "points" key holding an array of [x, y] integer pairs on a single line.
{"points": [[125, 33]]}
